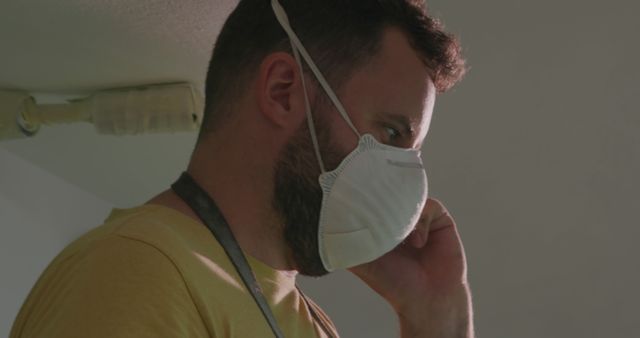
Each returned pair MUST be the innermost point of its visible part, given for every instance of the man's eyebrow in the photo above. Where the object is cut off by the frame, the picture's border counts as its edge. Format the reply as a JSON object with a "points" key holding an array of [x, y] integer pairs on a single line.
{"points": [[407, 124]]}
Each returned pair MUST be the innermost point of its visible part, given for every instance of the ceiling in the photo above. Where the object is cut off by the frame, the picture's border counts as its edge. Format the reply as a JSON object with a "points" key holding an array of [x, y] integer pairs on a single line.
{"points": [[62, 49], [77, 45]]}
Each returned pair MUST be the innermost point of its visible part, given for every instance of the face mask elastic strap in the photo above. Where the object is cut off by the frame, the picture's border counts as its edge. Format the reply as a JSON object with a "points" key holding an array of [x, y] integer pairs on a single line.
{"points": [[281, 15], [312, 127]]}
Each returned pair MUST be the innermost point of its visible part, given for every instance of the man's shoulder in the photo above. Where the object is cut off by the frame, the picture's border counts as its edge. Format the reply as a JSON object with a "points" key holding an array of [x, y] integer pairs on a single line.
{"points": [[144, 255], [151, 235], [188, 244], [168, 231], [109, 286]]}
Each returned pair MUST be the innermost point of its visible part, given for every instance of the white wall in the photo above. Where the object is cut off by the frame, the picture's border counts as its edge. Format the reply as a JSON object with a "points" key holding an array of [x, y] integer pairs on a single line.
{"points": [[39, 215], [538, 151]]}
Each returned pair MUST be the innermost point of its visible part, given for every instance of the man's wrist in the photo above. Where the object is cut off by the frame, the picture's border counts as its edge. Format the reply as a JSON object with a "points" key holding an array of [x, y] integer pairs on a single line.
{"points": [[444, 316]]}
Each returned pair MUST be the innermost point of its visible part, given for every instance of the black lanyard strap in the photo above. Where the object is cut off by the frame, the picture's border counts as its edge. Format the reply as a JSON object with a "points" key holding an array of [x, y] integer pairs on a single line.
{"points": [[202, 204]]}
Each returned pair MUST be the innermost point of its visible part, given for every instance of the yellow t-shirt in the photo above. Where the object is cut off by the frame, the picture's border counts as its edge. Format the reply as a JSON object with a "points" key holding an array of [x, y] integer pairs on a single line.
{"points": [[151, 271]]}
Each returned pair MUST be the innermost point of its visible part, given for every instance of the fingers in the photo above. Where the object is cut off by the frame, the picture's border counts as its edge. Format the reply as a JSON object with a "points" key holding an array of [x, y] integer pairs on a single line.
{"points": [[433, 210], [434, 216], [416, 238]]}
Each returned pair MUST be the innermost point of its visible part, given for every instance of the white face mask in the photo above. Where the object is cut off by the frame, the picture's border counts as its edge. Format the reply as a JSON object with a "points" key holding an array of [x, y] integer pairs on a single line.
{"points": [[372, 201]]}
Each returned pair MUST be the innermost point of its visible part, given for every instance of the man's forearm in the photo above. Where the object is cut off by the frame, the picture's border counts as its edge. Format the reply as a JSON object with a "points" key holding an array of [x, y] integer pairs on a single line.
{"points": [[448, 317]]}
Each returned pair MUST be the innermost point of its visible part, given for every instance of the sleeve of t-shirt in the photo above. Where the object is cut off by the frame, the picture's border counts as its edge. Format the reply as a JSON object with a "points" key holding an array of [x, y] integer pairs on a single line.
{"points": [[122, 287]]}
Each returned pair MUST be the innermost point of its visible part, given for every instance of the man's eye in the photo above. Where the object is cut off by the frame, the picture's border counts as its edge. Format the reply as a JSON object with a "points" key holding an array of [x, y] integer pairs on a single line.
{"points": [[392, 132]]}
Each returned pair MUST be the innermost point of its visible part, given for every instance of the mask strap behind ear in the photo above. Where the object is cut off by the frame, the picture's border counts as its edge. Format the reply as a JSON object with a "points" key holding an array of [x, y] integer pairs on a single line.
{"points": [[312, 127], [281, 15]]}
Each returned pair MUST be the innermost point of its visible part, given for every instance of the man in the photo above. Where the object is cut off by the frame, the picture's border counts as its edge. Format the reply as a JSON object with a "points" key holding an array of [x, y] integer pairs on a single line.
{"points": [[310, 174]]}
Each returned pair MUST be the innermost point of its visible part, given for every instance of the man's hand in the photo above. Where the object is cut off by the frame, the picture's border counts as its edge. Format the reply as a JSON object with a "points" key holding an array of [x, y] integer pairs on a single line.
{"points": [[425, 278]]}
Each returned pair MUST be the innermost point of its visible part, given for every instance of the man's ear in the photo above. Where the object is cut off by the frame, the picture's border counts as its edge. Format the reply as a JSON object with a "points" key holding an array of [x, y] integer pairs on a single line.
{"points": [[279, 91]]}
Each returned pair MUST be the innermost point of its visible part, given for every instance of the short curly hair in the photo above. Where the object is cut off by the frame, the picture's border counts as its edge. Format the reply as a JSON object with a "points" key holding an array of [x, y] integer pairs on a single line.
{"points": [[341, 35]]}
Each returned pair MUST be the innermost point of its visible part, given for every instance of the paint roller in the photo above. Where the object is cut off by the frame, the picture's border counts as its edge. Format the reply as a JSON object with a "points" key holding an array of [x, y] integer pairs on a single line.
{"points": [[158, 108]]}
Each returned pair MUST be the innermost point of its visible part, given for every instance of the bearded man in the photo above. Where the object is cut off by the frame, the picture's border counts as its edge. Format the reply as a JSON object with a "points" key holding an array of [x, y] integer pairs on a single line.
{"points": [[307, 162]]}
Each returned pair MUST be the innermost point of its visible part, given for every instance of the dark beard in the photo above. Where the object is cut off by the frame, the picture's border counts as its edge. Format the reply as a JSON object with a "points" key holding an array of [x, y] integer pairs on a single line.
{"points": [[297, 193]]}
